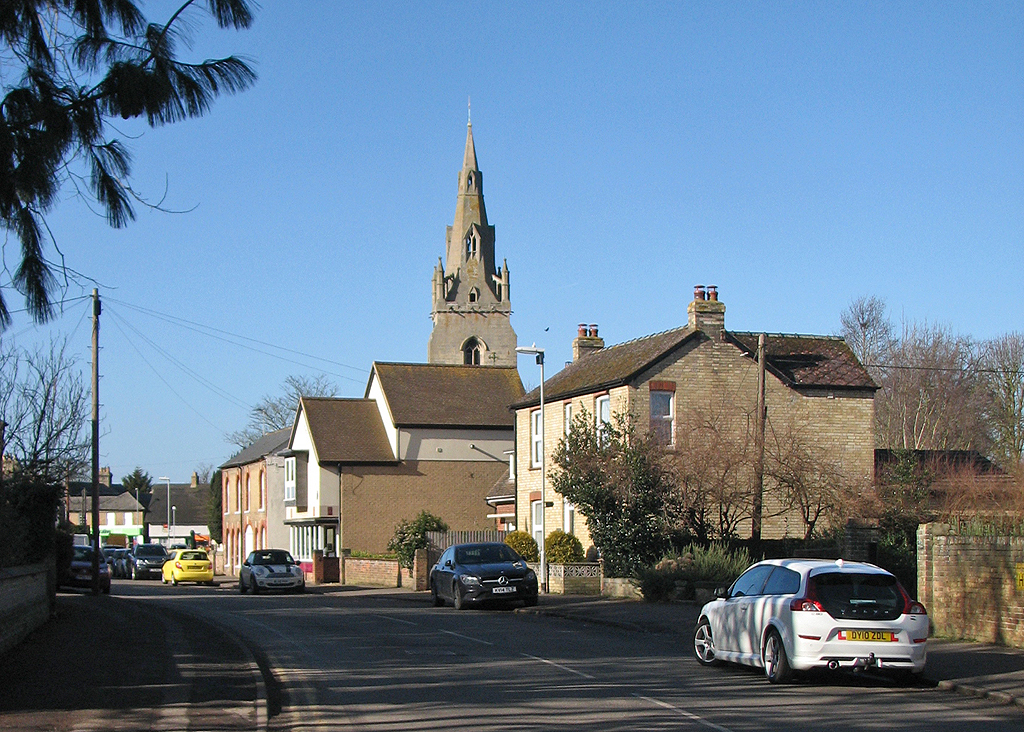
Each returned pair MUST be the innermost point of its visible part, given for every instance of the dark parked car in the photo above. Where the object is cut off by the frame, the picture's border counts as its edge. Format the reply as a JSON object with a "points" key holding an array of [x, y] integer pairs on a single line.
{"points": [[471, 573], [80, 573], [147, 560], [270, 569], [108, 557]]}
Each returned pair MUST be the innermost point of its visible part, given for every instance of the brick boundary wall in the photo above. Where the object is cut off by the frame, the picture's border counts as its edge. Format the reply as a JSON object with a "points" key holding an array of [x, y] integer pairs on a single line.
{"points": [[969, 584], [375, 572], [25, 601]]}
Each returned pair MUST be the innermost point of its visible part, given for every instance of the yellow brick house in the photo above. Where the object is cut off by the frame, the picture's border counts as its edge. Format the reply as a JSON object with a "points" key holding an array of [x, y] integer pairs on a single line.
{"points": [[701, 371]]}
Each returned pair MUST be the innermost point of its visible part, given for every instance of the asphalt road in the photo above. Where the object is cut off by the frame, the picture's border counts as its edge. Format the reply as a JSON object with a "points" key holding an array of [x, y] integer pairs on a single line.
{"points": [[363, 660]]}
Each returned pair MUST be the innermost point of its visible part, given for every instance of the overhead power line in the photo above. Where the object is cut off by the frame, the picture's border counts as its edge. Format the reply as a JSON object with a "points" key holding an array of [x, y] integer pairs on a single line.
{"points": [[242, 341]]}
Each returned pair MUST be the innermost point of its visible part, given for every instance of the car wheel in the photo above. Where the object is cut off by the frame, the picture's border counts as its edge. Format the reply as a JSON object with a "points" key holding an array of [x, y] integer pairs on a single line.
{"points": [[241, 586], [530, 601], [163, 578], [174, 580], [106, 590], [300, 589], [133, 573], [459, 600], [704, 643], [255, 588], [438, 600], [776, 665]]}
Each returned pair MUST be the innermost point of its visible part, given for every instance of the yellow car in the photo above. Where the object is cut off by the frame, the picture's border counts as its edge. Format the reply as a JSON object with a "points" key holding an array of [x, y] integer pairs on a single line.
{"points": [[188, 565]]}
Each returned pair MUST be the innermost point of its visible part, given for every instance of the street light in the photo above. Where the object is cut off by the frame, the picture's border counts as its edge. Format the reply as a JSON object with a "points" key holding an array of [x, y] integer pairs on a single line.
{"points": [[168, 508], [174, 523], [539, 353]]}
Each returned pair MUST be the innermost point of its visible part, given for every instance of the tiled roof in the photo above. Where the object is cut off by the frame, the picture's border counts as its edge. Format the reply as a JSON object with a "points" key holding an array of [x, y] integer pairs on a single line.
{"points": [[807, 361], [266, 445], [504, 487], [439, 395], [192, 505], [612, 366], [347, 430], [801, 361]]}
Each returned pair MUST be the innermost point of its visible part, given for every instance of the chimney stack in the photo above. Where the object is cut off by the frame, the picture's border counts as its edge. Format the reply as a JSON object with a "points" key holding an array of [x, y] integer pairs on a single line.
{"points": [[105, 476], [587, 341], [706, 313], [195, 479]]}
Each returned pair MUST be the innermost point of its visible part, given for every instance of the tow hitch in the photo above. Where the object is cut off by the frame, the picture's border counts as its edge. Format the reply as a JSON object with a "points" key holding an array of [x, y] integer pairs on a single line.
{"points": [[862, 663]]}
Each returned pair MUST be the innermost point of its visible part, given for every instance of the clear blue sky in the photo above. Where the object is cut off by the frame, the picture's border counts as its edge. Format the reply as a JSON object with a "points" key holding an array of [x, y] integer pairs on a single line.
{"points": [[797, 155]]}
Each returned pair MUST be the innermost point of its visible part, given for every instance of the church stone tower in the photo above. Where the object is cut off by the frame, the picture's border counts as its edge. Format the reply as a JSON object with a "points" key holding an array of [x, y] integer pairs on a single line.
{"points": [[471, 298]]}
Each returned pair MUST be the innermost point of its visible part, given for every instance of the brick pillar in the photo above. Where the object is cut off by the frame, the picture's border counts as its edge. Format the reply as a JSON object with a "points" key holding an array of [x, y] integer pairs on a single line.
{"points": [[420, 570], [318, 567]]}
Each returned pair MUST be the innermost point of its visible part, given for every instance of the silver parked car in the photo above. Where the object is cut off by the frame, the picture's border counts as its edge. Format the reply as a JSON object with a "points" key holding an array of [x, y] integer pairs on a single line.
{"points": [[798, 614], [270, 569]]}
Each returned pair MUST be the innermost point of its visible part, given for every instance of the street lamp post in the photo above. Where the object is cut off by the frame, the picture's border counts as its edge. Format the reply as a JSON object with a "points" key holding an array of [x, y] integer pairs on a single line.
{"points": [[539, 353], [168, 508], [174, 524]]}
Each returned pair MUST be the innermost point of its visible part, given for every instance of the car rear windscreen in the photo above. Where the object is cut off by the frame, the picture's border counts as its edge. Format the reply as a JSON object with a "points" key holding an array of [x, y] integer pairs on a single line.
{"points": [[853, 596]]}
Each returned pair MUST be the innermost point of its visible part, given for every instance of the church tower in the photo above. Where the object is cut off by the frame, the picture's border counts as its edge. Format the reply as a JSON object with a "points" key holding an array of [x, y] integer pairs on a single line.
{"points": [[471, 307]]}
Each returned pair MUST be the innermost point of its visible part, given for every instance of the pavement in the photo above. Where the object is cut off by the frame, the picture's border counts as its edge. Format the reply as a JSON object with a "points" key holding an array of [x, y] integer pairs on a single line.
{"points": [[170, 671]]}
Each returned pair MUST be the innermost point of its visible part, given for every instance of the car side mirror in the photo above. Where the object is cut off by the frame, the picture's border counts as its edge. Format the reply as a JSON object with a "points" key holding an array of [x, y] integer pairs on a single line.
{"points": [[722, 593], [448, 563]]}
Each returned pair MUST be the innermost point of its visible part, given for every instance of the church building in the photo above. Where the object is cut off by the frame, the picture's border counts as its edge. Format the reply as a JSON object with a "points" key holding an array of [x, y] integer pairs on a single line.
{"points": [[425, 436], [471, 304]]}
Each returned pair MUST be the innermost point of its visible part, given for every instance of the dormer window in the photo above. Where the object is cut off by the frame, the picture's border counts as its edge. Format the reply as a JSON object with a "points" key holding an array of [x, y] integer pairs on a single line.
{"points": [[471, 245], [474, 295]]}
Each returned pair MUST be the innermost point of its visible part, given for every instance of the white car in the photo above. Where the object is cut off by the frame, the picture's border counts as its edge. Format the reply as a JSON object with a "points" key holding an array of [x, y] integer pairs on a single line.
{"points": [[798, 614], [270, 569]]}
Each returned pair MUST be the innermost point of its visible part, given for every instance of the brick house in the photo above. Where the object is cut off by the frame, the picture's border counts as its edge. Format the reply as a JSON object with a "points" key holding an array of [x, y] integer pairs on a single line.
{"points": [[424, 437], [813, 383], [252, 501]]}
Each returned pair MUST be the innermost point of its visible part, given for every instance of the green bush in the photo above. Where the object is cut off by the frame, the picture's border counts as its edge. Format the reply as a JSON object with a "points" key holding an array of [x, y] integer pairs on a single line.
{"points": [[562, 548], [674, 577], [524, 545], [412, 535]]}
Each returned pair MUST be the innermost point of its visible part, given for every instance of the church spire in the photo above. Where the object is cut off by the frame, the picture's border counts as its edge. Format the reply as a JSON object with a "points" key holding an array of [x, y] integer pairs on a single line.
{"points": [[469, 159]]}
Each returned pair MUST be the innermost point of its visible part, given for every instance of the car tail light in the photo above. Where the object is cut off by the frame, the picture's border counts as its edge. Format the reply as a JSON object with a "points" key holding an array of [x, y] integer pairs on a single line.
{"points": [[806, 604], [809, 603], [911, 606], [178, 565]]}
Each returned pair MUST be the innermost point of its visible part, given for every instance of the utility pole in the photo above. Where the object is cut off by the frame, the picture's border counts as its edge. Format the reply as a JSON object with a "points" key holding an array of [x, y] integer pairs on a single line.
{"points": [[95, 442], [757, 509]]}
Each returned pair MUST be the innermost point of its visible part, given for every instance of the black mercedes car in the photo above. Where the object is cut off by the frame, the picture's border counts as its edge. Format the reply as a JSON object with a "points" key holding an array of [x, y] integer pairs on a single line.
{"points": [[488, 571]]}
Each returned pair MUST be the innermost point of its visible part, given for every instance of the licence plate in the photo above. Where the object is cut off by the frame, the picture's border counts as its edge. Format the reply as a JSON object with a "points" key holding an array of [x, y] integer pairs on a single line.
{"points": [[503, 590], [867, 635], [197, 568]]}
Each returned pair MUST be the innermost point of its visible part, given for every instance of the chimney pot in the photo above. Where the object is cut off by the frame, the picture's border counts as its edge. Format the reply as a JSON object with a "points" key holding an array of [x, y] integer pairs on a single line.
{"points": [[698, 292], [713, 293], [593, 330], [581, 330]]}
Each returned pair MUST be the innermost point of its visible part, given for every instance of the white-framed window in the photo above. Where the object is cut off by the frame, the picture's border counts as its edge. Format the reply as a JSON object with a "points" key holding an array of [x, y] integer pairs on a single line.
{"points": [[248, 493], [128, 518], [289, 479], [111, 518], [662, 416], [537, 515], [263, 490], [567, 417], [602, 414], [536, 438], [568, 517]]}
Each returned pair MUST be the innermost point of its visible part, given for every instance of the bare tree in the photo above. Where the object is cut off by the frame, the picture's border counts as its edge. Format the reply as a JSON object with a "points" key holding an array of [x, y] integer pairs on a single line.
{"points": [[44, 401], [808, 480], [275, 412], [931, 397], [867, 330], [714, 469], [1003, 376]]}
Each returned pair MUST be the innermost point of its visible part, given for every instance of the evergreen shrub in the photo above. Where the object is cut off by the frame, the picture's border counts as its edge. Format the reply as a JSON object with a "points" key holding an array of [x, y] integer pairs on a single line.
{"points": [[563, 548], [524, 545]]}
